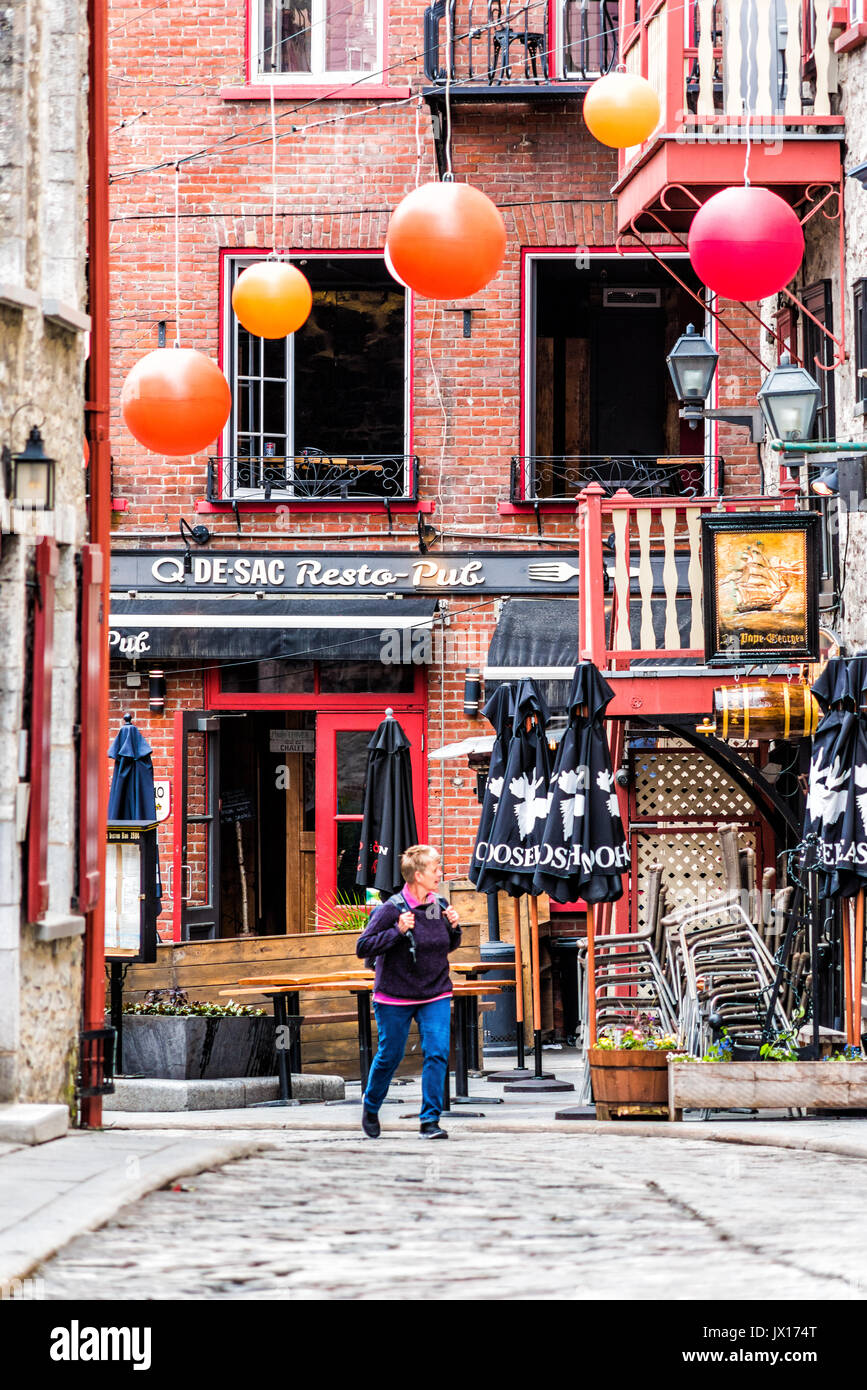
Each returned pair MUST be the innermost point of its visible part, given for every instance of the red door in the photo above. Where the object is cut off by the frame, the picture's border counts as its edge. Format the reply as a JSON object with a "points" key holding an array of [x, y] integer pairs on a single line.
{"points": [[341, 762]]}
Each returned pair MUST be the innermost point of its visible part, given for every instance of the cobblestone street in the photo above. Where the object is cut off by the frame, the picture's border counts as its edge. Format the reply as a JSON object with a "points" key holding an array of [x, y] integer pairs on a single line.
{"points": [[487, 1216]]}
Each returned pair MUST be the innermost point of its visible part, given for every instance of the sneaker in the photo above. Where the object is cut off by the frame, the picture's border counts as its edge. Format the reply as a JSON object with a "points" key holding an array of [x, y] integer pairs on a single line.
{"points": [[431, 1130], [370, 1123]]}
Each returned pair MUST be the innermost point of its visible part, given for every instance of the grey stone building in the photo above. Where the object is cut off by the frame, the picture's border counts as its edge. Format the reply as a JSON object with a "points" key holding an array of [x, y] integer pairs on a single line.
{"points": [[44, 335]]}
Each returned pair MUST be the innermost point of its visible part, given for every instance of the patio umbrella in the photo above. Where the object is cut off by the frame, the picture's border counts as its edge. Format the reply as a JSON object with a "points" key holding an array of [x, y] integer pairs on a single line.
{"points": [[835, 824], [585, 849], [388, 826], [506, 859]]}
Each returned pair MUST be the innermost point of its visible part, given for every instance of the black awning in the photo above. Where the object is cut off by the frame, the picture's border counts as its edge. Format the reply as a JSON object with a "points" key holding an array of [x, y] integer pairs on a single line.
{"points": [[536, 637], [397, 631]]}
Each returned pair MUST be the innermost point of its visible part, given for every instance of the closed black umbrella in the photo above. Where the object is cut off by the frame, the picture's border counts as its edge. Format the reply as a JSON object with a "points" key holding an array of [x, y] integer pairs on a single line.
{"points": [[835, 824], [388, 827], [507, 854], [499, 711], [585, 852]]}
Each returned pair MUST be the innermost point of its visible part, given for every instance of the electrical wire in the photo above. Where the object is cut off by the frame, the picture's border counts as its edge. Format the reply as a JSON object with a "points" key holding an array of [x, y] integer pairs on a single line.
{"points": [[384, 209]]}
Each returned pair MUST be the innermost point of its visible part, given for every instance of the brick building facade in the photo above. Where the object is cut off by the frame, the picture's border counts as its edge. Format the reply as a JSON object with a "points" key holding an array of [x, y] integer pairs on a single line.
{"points": [[483, 389]]}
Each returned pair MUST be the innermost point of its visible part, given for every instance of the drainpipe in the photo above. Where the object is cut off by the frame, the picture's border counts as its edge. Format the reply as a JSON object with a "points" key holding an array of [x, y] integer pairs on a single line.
{"points": [[97, 408]]}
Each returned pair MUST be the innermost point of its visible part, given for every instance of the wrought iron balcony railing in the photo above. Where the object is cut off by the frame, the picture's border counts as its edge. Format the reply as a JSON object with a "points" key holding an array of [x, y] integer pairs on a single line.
{"points": [[313, 475], [501, 43], [559, 478]]}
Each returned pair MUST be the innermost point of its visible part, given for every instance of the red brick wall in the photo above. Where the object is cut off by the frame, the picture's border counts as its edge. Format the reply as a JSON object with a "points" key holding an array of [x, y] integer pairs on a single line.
{"points": [[336, 184]]}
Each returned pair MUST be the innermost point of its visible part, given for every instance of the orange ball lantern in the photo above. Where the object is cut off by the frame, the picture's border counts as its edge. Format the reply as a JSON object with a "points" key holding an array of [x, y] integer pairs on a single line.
{"points": [[446, 240], [621, 109], [272, 299], [175, 401]]}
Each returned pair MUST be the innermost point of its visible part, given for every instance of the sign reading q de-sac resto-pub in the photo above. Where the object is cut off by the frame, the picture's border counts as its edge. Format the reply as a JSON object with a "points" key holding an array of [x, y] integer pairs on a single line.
{"points": [[379, 572]]}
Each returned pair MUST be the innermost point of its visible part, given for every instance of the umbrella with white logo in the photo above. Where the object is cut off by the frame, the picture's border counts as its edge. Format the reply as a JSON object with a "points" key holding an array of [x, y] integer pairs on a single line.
{"points": [[510, 842], [835, 825], [585, 851], [389, 826]]}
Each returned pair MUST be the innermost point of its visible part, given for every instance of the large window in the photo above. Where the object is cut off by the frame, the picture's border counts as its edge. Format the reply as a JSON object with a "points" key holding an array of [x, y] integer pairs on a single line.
{"points": [[323, 412], [309, 39]]}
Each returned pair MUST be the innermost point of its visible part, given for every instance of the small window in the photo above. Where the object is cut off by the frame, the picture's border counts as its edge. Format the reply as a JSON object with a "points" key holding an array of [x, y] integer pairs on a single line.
{"points": [[819, 348], [322, 414], [860, 318], [306, 40]]}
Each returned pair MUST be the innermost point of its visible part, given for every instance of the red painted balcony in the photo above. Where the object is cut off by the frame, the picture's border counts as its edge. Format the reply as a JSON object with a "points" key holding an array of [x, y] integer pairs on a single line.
{"points": [[729, 73]]}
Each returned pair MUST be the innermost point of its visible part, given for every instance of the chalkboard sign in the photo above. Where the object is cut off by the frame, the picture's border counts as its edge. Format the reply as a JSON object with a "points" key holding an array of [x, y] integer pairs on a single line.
{"points": [[236, 806]]}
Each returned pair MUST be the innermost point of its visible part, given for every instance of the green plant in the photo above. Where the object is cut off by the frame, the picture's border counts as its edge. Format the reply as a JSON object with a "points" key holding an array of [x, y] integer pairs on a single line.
{"points": [[340, 913], [721, 1050], [850, 1053], [173, 1003]]}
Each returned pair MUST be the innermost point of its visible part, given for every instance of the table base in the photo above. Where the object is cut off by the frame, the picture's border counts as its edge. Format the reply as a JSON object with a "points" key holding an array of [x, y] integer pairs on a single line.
{"points": [[539, 1083]]}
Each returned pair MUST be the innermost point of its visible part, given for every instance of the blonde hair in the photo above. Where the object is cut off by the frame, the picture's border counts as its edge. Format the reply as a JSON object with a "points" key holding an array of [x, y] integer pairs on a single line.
{"points": [[415, 860]]}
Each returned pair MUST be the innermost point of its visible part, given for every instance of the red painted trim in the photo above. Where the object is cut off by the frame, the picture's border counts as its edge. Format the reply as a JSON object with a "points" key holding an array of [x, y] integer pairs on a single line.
{"points": [[259, 91], [215, 698], [91, 763], [409, 369], [47, 558], [119, 504], [851, 38], [178, 827]]}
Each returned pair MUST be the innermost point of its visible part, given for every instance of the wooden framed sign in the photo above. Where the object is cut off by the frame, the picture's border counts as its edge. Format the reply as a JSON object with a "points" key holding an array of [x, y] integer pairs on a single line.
{"points": [[761, 587]]}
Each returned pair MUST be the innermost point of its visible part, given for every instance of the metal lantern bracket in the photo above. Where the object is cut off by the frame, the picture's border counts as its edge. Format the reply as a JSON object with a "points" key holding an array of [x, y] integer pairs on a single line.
{"points": [[811, 195]]}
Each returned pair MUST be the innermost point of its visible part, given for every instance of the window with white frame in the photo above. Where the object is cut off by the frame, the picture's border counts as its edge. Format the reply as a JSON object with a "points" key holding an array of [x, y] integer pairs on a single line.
{"points": [[323, 412], [309, 39]]}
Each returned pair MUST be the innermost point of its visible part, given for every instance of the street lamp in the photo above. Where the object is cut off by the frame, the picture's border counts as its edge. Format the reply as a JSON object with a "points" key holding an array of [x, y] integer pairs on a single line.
{"points": [[692, 363], [30, 475], [789, 398]]}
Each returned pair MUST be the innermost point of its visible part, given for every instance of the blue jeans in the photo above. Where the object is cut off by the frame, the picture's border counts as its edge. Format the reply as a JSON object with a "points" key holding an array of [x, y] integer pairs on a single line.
{"points": [[392, 1024]]}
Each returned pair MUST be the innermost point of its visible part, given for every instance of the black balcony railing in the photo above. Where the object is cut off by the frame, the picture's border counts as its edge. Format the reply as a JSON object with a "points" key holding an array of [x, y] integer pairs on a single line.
{"points": [[559, 478], [312, 475], [502, 43]]}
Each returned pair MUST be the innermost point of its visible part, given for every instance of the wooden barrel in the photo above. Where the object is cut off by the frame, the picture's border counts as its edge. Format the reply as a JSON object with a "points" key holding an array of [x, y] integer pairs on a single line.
{"points": [[767, 709], [629, 1077]]}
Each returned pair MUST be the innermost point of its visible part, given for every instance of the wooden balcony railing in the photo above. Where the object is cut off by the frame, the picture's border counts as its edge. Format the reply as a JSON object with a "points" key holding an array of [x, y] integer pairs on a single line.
{"points": [[650, 549], [729, 66]]}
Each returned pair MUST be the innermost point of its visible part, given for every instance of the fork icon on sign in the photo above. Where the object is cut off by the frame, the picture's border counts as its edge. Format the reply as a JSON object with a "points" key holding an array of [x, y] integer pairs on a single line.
{"points": [[552, 571]]}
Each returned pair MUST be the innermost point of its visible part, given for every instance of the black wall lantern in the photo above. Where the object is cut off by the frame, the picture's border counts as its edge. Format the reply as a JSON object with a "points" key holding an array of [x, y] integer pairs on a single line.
{"points": [[789, 398], [692, 363], [29, 476], [157, 692], [472, 692]]}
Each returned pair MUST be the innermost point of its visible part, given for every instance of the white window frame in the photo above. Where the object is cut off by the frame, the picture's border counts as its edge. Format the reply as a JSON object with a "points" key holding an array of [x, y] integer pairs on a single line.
{"points": [[319, 73], [229, 439]]}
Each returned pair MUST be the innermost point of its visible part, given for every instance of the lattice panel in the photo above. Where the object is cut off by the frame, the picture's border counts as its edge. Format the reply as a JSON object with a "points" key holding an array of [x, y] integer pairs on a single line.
{"points": [[691, 865], [682, 784]]}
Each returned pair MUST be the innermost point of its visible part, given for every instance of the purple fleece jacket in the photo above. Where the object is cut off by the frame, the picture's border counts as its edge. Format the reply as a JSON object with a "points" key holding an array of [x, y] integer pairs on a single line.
{"points": [[396, 973]]}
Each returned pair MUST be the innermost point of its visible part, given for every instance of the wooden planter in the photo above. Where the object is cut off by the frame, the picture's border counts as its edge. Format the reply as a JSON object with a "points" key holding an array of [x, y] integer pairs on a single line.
{"points": [[766, 1086], [629, 1081]]}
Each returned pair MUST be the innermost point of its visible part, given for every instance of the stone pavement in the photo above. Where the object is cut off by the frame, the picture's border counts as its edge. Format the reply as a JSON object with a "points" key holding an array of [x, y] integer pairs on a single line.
{"points": [[316, 1164]]}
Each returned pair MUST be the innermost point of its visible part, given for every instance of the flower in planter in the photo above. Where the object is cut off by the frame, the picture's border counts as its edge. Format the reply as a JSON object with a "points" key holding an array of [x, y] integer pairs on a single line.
{"points": [[646, 1038], [173, 1003]]}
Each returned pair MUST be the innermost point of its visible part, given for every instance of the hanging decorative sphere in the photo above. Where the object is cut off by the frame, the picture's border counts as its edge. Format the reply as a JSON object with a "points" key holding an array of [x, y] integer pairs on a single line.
{"points": [[175, 401], [745, 243], [272, 299], [621, 109], [389, 265], [446, 240]]}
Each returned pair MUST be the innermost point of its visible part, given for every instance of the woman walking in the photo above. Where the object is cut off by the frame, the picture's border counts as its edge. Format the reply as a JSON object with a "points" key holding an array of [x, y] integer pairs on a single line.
{"points": [[410, 937]]}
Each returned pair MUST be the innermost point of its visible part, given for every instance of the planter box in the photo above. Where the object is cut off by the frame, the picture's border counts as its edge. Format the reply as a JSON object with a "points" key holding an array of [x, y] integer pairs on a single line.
{"points": [[766, 1086], [196, 1049], [628, 1081]]}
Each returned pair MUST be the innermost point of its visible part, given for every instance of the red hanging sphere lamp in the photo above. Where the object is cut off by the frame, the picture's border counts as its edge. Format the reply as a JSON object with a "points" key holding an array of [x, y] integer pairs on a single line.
{"points": [[745, 243], [621, 109], [272, 299], [175, 401], [446, 240]]}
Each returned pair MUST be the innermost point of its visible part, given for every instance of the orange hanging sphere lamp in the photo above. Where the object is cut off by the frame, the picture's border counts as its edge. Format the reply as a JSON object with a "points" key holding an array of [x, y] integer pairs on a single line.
{"points": [[446, 240], [175, 401], [621, 109], [272, 299]]}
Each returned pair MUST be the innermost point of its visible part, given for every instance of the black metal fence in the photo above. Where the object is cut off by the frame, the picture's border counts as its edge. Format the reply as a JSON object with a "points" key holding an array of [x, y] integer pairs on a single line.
{"points": [[502, 42], [314, 475], [560, 477]]}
